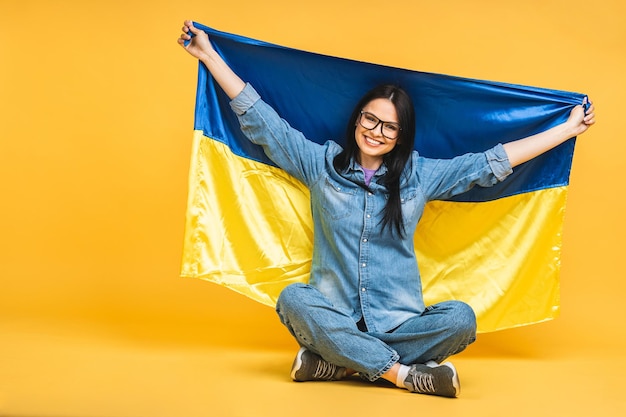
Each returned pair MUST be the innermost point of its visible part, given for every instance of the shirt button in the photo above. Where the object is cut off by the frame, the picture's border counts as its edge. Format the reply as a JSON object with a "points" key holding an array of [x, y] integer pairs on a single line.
{"points": [[364, 240], [368, 216], [363, 289], [370, 194], [363, 265]]}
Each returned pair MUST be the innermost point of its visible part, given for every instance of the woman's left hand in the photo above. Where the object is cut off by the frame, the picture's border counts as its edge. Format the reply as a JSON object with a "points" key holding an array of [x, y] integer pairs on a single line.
{"points": [[579, 119]]}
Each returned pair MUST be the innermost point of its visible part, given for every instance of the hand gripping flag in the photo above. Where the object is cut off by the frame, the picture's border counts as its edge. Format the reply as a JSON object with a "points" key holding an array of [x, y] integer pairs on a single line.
{"points": [[248, 223]]}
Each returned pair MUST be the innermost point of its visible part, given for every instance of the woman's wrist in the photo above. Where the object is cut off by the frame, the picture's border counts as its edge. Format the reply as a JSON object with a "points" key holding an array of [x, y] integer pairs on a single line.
{"points": [[208, 57]]}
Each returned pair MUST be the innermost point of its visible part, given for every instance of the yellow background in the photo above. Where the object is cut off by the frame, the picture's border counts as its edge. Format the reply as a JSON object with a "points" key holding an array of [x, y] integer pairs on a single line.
{"points": [[96, 119]]}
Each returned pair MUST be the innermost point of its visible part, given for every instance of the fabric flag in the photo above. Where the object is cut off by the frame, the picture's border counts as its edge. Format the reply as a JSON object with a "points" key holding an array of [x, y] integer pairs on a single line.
{"points": [[249, 227]]}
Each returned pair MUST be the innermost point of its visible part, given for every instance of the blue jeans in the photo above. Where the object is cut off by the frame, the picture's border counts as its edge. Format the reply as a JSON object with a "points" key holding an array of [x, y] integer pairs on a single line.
{"points": [[442, 330]]}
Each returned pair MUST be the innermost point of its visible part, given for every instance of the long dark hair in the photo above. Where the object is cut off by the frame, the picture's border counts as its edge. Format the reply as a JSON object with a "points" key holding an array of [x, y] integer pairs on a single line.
{"points": [[395, 160]]}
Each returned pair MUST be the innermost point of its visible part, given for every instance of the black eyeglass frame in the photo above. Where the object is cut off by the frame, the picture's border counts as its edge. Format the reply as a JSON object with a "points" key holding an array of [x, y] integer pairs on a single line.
{"points": [[378, 123]]}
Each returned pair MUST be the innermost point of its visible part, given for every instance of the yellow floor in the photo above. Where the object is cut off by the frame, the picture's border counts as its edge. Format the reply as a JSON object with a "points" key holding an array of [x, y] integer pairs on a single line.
{"points": [[65, 369]]}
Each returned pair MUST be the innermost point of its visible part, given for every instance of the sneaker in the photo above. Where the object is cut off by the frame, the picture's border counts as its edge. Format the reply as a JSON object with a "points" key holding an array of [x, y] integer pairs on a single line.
{"points": [[434, 380], [311, 367]]}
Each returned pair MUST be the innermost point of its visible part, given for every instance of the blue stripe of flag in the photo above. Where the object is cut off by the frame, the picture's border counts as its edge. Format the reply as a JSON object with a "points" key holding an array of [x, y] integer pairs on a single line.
{"points": [[316, 93]]}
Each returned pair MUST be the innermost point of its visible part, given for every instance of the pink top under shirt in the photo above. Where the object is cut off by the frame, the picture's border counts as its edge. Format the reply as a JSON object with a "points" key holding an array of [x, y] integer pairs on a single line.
{"points": [[369, 173]]}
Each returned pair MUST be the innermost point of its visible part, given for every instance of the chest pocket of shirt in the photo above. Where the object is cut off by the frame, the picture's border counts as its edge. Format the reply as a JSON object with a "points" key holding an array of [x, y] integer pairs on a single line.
{"points": [[337, 201], [409, 201]]}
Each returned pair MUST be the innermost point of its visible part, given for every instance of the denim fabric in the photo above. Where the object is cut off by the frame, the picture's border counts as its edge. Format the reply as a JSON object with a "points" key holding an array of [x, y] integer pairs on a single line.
{"points": [[365, 271], [439, 331]]}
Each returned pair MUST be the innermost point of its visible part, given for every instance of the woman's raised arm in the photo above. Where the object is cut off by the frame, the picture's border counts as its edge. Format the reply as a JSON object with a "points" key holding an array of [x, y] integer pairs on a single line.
{"points": [[522, 150]]}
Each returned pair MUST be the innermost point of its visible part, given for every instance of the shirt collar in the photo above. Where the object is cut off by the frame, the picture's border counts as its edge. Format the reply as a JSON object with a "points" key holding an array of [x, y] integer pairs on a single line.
{"points": [[354, 166]]}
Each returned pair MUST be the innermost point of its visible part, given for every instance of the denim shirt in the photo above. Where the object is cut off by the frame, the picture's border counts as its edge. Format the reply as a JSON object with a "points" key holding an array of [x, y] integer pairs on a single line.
{"points": [[366, 271]]}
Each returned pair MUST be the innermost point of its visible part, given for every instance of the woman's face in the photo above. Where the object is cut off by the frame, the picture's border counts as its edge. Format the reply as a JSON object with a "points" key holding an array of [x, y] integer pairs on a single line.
{"points": [[373, 145]]}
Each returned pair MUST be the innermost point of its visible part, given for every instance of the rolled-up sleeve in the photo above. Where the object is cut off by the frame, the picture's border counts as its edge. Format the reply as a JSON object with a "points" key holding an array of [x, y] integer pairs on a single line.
{"points": [[246, 99], [499, 162], [445, 178]]}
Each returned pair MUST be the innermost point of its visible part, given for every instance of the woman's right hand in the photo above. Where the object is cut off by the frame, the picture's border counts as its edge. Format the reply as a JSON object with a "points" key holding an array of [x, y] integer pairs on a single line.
{"points": [[198, 45]]}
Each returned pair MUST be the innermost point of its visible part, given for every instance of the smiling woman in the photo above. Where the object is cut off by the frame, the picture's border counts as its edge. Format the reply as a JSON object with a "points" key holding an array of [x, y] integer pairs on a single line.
{"points": [[370, 149], [364, 293]]}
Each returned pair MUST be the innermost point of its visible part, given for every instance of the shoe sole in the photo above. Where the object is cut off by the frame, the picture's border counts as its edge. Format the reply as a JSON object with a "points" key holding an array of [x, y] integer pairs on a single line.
{"points": [[297, 363]]}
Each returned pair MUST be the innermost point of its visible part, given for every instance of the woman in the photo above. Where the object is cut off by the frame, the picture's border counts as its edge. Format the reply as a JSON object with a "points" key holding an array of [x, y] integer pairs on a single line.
{"points": [[362, 311]]}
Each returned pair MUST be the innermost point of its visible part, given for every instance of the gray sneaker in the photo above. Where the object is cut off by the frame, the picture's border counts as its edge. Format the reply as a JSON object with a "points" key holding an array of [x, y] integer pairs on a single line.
{"points": [[311, 367], [434, 380]]}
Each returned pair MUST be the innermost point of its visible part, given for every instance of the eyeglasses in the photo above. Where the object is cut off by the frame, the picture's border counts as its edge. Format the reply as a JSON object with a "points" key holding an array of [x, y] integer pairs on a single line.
{"points": [[390, 130]]}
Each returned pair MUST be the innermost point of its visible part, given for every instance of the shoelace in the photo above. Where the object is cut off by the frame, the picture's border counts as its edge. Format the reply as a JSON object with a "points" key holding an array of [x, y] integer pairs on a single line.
{"points": [[423, 383], [325, 370]]}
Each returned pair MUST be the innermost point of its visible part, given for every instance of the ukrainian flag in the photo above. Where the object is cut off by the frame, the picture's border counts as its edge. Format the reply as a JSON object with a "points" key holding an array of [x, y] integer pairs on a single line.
{"points": [[249, 227]]}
